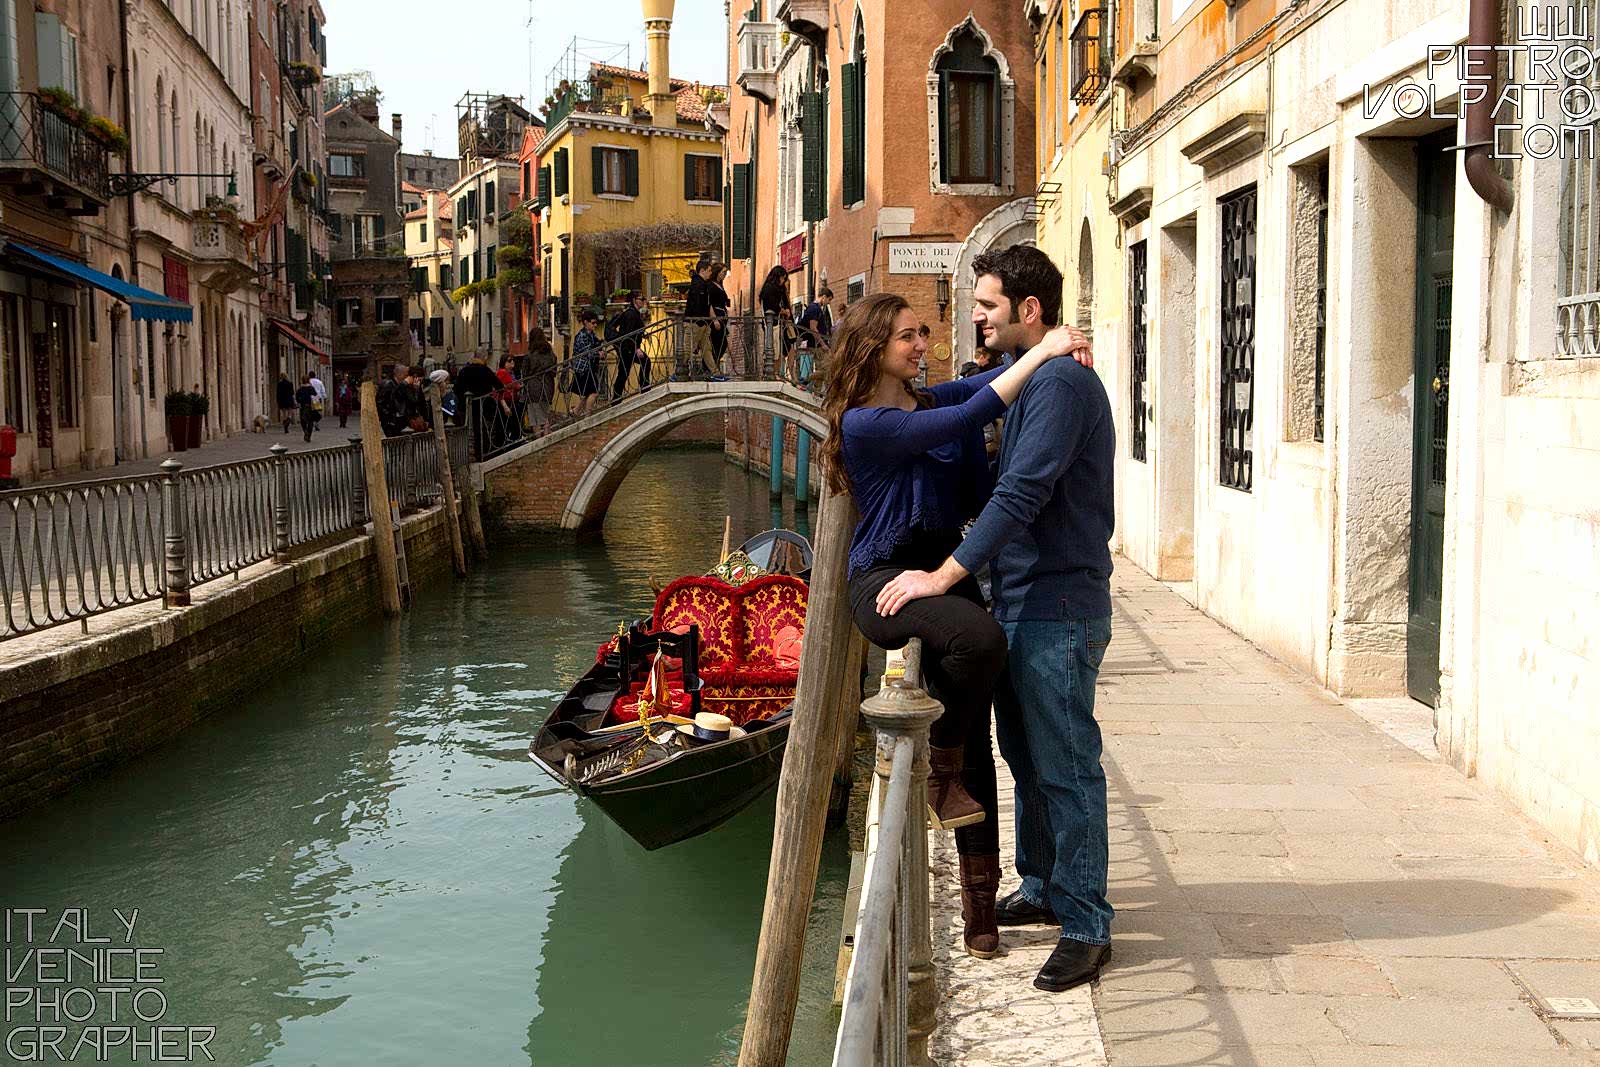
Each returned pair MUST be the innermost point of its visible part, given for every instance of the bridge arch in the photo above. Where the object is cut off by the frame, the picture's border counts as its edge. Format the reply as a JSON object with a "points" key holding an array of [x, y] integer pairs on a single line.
{"points": [[598, 483]]}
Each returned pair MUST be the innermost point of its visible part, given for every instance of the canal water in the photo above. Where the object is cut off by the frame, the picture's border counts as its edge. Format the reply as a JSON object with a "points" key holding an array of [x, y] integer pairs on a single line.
{"points": [[359, 864]]}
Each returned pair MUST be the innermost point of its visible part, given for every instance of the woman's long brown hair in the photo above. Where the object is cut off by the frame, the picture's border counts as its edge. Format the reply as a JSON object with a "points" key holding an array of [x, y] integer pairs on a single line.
{"points": [[854, 362]]}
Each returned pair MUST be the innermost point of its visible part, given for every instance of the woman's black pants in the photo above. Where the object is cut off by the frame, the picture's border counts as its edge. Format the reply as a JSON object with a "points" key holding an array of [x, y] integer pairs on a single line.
{"points": [[963, 652]]}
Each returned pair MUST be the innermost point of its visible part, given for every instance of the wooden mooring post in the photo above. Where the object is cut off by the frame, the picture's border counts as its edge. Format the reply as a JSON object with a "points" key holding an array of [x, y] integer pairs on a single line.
{"points": [[447, 483], [378, 502], [803, 788]]}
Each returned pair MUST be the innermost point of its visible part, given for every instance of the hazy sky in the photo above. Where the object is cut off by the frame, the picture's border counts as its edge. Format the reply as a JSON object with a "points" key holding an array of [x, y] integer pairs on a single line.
{"points": [[424, 56]]}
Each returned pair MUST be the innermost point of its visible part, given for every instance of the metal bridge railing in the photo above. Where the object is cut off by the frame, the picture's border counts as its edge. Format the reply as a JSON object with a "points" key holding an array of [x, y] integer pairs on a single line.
{"points": [[749, 348], [889, 995], [70, 553]]}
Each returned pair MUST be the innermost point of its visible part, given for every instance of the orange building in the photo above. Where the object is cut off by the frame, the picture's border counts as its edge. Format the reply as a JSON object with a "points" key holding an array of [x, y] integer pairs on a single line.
{"points": [[870, 157]]}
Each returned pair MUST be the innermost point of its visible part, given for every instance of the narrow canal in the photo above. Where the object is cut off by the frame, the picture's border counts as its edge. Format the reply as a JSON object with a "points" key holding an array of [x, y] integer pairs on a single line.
{"points": [[359, 864]]}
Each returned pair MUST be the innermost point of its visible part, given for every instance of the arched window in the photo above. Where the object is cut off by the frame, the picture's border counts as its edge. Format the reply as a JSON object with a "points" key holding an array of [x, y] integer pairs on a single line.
{"points": [[969, 109], [161, 124], [971, 115], [174, 161], [1085, 321]]}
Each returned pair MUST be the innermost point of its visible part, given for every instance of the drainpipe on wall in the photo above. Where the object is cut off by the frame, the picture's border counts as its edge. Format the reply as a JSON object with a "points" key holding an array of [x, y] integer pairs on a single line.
{"points": [[136, 336], [1483, 33]]}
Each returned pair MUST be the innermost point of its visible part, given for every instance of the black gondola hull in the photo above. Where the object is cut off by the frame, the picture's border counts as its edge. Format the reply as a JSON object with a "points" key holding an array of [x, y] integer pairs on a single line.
{"points": [[696, 792]]}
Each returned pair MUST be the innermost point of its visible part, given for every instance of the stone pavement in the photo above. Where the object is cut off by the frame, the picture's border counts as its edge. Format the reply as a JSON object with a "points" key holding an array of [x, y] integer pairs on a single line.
{"points": [[230, 449], [1298, 881]]}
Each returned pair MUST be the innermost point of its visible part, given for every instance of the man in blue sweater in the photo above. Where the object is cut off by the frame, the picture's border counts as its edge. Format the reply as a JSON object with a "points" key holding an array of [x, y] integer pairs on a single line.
{"points": [[1045, 535]]}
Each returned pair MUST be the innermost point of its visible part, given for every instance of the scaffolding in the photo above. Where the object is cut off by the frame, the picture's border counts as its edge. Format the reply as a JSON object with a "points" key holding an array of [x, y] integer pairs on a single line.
{"points": [[358, 86], [490, 126]]}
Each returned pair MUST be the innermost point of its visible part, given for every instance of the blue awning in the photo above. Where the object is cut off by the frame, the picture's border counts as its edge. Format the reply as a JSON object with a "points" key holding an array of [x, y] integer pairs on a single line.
{"points": [[144, 303]]}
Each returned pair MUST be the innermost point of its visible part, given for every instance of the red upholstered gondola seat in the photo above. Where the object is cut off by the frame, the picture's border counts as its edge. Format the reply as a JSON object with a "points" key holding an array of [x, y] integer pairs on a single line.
{"points": [[749, 638]]}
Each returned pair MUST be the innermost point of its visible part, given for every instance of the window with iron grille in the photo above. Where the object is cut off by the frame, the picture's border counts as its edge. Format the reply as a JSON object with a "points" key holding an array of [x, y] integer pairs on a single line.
{"points": [[1138, 298], [1091, 55], [1236, 384], [1578, 224], [1319, 394]]}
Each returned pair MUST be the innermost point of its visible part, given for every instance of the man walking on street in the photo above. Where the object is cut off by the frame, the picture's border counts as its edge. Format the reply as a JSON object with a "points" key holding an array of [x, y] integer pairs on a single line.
{"points": [[1045, 534]]}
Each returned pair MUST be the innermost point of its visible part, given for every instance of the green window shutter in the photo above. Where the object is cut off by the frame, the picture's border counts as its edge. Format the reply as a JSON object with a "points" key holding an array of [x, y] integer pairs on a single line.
{"points": [[377, 226], [544, 184], [716, 176], [561, 172], [727, 227], [740, 242], [813, 176], [850, 105], [488, 199], [688, 178], [597, 163], [472, 205], [630, 172]]}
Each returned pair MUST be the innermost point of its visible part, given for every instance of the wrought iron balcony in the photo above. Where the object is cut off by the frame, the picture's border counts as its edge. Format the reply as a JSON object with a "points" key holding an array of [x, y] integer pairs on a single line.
{"points": [[1091, 55], [808, 18], [45, 155], [758, 59]]}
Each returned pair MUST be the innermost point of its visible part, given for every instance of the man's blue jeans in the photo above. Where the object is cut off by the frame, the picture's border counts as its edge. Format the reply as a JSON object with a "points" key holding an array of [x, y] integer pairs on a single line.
{"points": [[1044, 721]]}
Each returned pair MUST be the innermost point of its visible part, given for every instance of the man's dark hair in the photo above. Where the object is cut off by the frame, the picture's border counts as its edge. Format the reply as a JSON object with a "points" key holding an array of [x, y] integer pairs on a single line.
{"points": [[1024, 271], [588, 315], [824, 291]]}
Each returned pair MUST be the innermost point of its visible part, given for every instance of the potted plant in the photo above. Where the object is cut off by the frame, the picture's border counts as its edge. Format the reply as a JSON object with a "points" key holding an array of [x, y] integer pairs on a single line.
{"points": [[108, 133], [199, 404], [177, 410]]}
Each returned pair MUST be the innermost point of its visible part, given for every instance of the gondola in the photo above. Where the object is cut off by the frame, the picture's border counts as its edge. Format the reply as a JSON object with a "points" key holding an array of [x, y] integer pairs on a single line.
{"points": [[721, 644]]}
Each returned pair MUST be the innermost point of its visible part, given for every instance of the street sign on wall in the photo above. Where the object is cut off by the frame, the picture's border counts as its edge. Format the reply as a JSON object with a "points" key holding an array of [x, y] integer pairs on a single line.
{"points": [[792, 253], [923, 257]]}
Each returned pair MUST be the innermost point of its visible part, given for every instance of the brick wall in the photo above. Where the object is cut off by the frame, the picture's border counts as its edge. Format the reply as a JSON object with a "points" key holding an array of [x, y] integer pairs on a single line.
{"points": [[748, 441], [533, 492], [77, 711]]}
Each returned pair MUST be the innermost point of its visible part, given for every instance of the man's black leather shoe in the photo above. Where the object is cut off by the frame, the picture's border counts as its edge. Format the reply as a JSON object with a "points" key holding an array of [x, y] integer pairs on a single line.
{"points": [[1014, 909], [1071, 963]]}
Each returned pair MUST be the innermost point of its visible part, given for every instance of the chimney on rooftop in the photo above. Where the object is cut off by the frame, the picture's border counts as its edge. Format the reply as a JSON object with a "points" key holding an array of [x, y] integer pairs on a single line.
{"points": [[394, 120], [658, 29]]}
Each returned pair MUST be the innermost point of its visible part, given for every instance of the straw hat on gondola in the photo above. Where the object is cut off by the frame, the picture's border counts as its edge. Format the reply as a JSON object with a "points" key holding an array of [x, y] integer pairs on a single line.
{"points": [[709, 726]]}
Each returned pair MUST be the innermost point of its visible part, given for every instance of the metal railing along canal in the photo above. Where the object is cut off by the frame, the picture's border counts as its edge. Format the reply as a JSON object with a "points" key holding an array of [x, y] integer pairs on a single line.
{"points": [[79, 550], [889, 995]]}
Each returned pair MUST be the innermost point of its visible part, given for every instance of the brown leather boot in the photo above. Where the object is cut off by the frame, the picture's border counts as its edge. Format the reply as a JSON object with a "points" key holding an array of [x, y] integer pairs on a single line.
{"points": [[949, 804], [980, 881]]}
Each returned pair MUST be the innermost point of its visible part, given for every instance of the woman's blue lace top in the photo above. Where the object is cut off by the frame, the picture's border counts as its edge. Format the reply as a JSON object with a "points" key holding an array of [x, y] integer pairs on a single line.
{"points": [[918, 472]]}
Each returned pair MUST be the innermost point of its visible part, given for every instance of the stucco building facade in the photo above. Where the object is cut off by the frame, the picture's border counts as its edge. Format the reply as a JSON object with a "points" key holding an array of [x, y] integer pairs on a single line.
{"points": [[1348, 365]]}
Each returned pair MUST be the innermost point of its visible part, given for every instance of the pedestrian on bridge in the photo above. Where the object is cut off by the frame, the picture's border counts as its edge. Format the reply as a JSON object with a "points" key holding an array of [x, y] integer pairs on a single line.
{"points": [[629, 324], [718, 297], [585, 362], [539, 377]]}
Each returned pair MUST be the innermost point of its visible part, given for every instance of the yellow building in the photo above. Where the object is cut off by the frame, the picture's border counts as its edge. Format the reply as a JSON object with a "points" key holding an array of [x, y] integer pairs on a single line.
{"points": [[629, 183], [436, 328]]}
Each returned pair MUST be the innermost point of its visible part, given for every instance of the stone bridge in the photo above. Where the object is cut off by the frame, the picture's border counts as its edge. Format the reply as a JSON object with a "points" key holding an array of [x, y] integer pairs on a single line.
{"points": [[567, 478]]}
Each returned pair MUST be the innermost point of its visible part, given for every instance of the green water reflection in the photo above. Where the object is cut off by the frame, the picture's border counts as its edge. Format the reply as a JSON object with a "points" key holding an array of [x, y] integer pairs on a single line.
{"points": [[359, 864]]}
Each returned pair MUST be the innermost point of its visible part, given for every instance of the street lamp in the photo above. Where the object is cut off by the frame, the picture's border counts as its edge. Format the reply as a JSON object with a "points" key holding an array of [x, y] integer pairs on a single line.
{"points": [[941, 294]]}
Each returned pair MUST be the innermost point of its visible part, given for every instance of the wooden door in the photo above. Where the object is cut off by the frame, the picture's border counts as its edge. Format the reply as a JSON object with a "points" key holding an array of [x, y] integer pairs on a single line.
{"points": [[1435, 247]]}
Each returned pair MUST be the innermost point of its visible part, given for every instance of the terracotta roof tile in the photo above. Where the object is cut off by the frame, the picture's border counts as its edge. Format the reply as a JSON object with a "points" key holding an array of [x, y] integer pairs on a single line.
{"points": [[629, 72]]}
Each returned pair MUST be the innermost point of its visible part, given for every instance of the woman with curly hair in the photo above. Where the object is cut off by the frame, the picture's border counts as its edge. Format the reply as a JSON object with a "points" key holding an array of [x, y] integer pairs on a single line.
{"points": [[914, 461]]}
